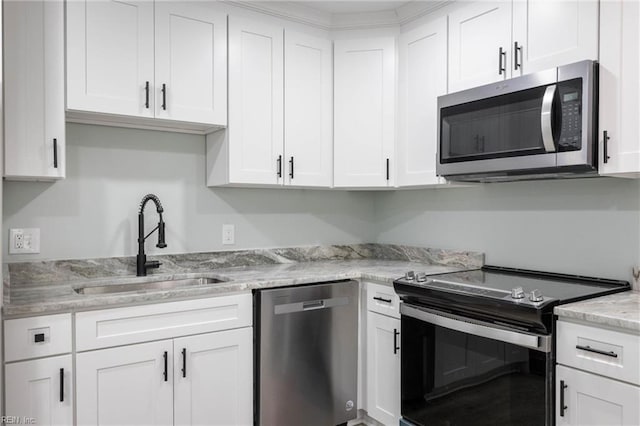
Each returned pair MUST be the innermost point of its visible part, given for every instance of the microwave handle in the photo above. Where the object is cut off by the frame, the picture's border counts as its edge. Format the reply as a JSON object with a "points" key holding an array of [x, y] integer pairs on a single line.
{"points": [[545, 118]]}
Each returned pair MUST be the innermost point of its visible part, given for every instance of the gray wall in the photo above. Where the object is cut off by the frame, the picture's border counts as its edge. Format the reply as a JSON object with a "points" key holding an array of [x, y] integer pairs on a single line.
{"points": [[93, 212], [587, 226]]}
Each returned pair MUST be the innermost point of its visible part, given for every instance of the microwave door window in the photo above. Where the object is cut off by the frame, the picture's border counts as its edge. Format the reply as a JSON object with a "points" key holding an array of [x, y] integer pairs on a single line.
{"points": [[503, 126]]}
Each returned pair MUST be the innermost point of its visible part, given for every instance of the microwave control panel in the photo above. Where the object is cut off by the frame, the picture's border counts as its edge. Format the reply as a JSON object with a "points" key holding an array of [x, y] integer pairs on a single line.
{"points": [[571, 104]]}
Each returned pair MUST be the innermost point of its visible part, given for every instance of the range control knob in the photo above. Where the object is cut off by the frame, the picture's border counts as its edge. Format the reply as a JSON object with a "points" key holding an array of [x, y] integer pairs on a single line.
{"points": [[517, 293], [421, 277], [536, 296], [410, 276]]}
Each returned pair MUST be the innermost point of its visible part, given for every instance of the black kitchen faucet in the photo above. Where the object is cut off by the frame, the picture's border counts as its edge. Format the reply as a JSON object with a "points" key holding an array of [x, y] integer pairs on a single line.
{"points": [[141, 261]]}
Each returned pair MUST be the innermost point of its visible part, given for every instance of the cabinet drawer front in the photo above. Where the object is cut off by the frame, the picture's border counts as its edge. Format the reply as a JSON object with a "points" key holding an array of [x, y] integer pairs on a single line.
{"points": [[383, 299], [37, 337], [122, 326], [605, 352]]}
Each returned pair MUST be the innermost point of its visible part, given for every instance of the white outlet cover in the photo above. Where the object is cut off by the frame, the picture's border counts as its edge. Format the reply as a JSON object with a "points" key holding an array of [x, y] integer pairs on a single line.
{"points": [[24, 241], [228, 234]]}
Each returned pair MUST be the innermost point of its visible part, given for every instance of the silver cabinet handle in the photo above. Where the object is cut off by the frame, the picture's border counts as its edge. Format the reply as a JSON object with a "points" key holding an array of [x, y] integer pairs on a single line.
{"points": [[545, 118]]}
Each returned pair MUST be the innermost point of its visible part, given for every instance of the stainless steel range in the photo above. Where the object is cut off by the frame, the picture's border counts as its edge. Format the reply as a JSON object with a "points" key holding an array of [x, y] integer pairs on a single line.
{"points": [[478, 346]]}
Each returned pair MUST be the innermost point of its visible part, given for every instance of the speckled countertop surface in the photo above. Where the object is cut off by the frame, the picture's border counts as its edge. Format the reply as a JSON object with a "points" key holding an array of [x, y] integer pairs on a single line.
{"points": [[621, 310], [49, 287]]}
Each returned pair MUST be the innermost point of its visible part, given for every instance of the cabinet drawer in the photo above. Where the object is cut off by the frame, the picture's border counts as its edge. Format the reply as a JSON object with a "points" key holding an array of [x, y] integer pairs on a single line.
{"points": [[606, 352], [383, 299], [37, 337], [123, 326]]}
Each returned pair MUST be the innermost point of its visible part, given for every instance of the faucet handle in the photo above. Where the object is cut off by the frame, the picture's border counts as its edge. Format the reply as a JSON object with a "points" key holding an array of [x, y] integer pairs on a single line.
{"points": [[152, 264]]}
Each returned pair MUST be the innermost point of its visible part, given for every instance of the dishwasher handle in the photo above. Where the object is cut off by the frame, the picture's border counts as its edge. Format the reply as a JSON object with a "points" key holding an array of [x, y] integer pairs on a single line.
{"points": [[311, 305], [316, 304]]}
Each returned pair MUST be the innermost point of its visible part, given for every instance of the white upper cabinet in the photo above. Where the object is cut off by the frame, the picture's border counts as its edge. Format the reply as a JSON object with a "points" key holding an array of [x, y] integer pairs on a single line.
{"points": [[190, 63], [280, 110], [423, 77], [479, 44], [552, 33], [619, 92], [364, 112], [255, 102], [146, 60], [308, 110], [110, 57], [34, 137], [493, 41]]}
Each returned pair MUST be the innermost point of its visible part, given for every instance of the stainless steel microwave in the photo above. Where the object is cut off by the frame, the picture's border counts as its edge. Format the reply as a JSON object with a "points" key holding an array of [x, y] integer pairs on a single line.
{"points": [[537, 126]]}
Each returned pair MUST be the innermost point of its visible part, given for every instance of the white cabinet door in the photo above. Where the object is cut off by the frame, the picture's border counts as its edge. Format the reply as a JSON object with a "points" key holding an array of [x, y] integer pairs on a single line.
{"points": [[553, 33], [423, 77], [619, 88], [110, 54], [214, 378], [478, 33], [34, 89], [383, 368], [40, 389], [255, 133], [595, 400], [130, 385], [308, 110], [364, 112], [190, 63]]}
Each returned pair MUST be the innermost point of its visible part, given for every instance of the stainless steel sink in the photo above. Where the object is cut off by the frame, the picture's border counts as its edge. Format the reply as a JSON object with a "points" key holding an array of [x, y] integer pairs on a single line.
{"points": [[150, 285]]}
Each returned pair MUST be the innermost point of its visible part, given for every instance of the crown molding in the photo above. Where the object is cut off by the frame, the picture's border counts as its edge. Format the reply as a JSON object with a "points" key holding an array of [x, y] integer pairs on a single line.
{"points": [[298, 11]]}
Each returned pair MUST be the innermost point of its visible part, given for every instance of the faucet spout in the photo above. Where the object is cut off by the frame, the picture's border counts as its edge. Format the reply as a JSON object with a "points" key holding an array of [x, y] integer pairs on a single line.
{"points": [[141, 260]]}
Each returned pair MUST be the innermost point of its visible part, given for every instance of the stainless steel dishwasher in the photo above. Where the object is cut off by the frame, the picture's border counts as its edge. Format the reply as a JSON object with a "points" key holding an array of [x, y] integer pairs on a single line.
{"points": [[306, 354]]}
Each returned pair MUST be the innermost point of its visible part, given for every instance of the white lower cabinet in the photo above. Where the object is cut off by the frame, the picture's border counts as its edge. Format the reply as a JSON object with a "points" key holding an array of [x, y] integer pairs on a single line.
{"points": [[130, 385], [41, 389], [383, 368], [214, 378], [597, 377], [590, 399], [202, 379]]}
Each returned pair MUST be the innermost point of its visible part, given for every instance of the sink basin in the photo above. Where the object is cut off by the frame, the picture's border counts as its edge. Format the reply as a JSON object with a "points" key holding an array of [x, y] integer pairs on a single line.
{"points": [[151, 285]]}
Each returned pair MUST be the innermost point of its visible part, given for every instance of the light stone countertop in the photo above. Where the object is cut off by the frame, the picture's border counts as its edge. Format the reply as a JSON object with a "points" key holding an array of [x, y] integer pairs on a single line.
{"points": [[621, 310], [30, 299]]}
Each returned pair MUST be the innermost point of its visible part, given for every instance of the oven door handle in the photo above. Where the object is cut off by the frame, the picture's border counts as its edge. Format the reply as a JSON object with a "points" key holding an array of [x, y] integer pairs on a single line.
{"points": [[478, 328], [545, 118]]}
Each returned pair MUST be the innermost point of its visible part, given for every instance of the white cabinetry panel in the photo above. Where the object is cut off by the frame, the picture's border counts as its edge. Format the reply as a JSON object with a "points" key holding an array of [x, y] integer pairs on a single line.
{"points": [[595, 400], [255, 101], [214, 378], [619, 88], [423, 77], [190, 63], [477, 32], [308, 110], [554, 33], [34, 139], [41, 389], [383, 368], [127, 385], [110, 54], [364, 117]]}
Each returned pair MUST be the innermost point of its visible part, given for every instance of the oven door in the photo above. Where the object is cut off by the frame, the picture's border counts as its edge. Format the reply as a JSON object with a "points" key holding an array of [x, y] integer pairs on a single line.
{"points": [[458, 371]]}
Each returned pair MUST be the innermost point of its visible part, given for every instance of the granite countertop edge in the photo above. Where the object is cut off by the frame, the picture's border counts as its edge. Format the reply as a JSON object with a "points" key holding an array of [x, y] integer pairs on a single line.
{"points": [[620, 311], [70, 302]]}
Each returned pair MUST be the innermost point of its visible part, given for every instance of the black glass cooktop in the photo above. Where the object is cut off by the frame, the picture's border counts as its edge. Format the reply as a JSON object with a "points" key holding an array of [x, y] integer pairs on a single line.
{"points": [[499, 282], [515, 296]]}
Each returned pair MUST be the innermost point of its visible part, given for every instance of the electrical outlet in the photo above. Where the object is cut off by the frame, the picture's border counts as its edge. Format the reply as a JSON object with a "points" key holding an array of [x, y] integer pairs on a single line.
{"points": [[228, 234], [24, 241]]}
